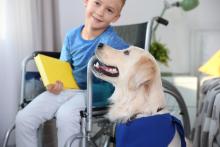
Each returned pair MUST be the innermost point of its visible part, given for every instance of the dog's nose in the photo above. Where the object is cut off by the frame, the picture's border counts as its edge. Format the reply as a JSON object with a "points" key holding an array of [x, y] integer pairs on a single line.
{"points": [[100, 45]]}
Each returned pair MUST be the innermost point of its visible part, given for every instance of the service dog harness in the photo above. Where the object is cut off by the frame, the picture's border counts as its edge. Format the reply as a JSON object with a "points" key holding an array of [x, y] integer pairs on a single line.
{"points": [[151, 131]]}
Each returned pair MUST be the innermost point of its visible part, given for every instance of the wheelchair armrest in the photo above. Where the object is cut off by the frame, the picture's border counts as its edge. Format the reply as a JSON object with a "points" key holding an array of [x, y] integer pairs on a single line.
{"points": [[89, 94], [47, 53]]}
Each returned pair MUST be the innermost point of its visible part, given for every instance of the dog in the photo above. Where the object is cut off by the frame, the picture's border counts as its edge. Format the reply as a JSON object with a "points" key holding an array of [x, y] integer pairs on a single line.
{"points": [[138, 103]]}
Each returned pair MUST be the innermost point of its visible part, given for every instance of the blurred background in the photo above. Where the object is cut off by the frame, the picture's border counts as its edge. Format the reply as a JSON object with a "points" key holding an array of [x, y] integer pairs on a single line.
{"points": [[192, 37]]}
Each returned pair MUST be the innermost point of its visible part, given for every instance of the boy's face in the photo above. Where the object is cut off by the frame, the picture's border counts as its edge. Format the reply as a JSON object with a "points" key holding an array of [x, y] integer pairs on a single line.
{"points": [[100, 13]]}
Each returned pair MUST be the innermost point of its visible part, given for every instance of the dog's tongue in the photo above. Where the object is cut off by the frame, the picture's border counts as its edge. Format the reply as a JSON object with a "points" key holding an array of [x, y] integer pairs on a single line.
{"points": [[104, 68], [108, 69]]}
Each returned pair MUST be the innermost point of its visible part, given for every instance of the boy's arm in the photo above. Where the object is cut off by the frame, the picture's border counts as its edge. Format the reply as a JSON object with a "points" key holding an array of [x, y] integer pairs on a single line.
{"points": [[65, 53]]}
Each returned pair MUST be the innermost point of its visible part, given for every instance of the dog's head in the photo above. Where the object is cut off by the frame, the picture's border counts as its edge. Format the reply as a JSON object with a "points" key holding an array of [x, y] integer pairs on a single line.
{"points": [[132, 66], [136, 77]]}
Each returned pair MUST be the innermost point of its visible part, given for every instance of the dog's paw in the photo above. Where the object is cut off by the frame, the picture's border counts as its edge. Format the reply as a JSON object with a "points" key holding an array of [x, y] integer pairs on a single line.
{"points": [[117, 116]]}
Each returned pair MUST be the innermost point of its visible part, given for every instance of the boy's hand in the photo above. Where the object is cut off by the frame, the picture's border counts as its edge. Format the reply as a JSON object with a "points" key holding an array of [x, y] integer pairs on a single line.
{"points": [[55, 88]]}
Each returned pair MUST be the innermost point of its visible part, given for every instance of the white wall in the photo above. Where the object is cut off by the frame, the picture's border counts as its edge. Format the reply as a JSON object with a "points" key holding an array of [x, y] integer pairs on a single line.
{"points": [[204, 33]]}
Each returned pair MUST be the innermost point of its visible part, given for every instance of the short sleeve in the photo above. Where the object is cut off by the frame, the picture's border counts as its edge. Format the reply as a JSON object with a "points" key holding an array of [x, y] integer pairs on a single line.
{"points": [[65, 52]]}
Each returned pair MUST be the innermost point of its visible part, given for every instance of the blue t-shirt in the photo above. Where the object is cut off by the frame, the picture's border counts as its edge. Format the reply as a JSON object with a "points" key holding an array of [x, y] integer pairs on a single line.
{"points": [[77, 51]]}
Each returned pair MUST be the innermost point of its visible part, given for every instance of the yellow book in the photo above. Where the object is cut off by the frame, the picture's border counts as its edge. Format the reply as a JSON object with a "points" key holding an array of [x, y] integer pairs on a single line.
{"points": [[52, 69]]}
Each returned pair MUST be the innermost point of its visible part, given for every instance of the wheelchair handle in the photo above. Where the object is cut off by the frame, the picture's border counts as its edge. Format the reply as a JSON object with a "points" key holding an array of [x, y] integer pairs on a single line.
{"points": [[162, 21], [150, 29]]}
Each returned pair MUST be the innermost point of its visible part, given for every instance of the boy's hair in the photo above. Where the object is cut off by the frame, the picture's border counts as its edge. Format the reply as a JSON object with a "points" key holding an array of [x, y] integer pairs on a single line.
{"points": [[123, 2]]}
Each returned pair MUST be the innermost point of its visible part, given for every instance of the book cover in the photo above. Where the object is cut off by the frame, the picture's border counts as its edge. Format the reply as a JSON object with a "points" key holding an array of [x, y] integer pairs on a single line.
{"points": [[52, 69]]}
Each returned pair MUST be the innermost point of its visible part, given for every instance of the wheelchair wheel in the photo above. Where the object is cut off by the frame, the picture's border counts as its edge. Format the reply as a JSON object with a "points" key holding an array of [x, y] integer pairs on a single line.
{"points": [[104, 135], [176, 105]]}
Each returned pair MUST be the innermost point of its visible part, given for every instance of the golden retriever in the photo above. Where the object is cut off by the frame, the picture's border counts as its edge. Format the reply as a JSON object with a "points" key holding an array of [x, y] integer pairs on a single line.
{"points": [[137, 81]]}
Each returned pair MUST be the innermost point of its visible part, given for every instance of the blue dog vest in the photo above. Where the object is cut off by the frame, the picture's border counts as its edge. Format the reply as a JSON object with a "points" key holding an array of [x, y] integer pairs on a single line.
{"points": [[152, 131]]}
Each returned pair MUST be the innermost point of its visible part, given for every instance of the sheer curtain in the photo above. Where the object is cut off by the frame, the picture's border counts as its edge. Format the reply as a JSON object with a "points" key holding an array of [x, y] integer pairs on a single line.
{"points": [[25, 26]]}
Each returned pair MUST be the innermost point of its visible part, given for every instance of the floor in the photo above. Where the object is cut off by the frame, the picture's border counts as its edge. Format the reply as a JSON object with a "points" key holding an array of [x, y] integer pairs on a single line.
{"points": [[187, 86]]}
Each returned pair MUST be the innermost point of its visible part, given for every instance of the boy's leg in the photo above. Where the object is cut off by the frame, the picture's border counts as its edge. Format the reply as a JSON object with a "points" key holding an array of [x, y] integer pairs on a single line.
{"points": [[68, 118], [28, 120]]}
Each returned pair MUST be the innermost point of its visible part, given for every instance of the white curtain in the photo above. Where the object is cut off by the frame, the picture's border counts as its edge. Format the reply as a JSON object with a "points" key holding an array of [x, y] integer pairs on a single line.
{"points": [[25, 26]]}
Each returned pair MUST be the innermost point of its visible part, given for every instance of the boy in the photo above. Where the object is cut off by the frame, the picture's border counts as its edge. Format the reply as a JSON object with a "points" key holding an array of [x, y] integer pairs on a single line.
{"points": [[78, 47]]}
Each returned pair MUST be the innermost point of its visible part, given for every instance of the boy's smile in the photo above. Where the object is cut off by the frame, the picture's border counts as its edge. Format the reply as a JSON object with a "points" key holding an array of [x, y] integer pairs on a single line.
{"points": [[97, 19]]}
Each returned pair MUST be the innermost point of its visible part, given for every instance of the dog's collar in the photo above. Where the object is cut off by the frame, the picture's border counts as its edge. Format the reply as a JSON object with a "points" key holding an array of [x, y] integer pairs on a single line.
{"points": [[141, 114]]}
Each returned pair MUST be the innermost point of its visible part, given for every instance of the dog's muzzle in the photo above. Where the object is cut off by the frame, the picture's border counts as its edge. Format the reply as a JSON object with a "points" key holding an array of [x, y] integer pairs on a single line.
{"points": [[102, 68]]}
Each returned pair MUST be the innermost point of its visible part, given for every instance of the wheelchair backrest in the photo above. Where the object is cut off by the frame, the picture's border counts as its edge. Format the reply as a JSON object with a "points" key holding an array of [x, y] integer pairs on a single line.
{"points": [[134, 34]]}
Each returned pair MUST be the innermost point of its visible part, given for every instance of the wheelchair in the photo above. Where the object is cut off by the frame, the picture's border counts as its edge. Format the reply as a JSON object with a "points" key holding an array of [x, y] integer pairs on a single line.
{"points": [[135, 34]]}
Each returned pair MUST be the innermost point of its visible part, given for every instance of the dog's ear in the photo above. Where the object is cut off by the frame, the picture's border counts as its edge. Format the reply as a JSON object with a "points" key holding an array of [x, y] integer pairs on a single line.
{"points": [[144, 72]]}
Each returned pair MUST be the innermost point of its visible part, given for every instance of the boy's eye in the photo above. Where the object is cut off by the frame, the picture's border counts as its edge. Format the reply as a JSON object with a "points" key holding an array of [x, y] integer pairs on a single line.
{"points": [[110, 11], [97, 3]]}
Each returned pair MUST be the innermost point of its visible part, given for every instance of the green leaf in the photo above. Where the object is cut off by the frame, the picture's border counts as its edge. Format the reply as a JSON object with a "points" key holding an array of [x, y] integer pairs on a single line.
{"points": [[160, 52]]}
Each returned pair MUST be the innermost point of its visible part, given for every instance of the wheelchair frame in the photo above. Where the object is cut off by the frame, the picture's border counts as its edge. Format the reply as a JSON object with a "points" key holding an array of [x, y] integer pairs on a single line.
{"points": [[87, 115], [168, 88]]}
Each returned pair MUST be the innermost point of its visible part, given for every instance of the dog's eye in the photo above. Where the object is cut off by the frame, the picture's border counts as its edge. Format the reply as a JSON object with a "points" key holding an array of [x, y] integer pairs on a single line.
{"points": [[126, 52]]}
